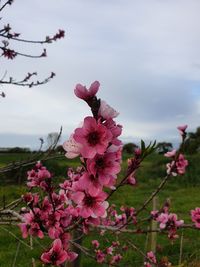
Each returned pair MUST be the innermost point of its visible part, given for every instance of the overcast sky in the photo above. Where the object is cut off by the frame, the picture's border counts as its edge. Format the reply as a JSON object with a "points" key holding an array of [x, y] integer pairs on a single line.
{"points": [[145, 54]]}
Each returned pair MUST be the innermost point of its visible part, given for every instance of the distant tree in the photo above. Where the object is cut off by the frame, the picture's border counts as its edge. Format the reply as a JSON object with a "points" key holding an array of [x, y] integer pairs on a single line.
{"points": [[19, 150], [7, 35], [52, 140], [129, 148], [164, 147], [192, 143]]}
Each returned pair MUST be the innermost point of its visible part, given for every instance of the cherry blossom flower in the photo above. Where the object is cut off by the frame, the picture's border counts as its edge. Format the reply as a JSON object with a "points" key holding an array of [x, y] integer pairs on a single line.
{"points": [[94, 206], [31, 224], [90, 182], [93, 136], [56, 255], [170, 222], [104, 166], [178, 166]]}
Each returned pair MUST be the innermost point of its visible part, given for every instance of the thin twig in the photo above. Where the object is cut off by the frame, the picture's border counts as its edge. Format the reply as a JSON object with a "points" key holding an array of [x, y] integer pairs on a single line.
{"points": [[10, 233], [161, 185], [16, 254]]}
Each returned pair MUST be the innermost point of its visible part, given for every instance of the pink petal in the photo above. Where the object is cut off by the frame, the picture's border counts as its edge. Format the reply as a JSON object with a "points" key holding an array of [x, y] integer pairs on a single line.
{"points": [[94, 87], [63, 256], [46, 257], [57, 245], [78, 197]]}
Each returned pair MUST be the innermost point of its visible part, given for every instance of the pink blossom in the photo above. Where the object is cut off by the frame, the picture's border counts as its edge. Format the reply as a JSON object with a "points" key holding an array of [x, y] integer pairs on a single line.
{"points": [[53, 224], [178, 166], [115, 129], [104, 166], [95, 243], [109, 250], [40, 177], [196, 217], [169, 222], [72, 148], [106, 111], [31, 199], [94, 206], [151, 257], [46, 208], [182, 129], [93, 136], [90, 182], [31, 224], [170, 154], [100, 256], [131, 180], [116, 258], [24, 229], [84, 93], [56, 255], [181, 164]]}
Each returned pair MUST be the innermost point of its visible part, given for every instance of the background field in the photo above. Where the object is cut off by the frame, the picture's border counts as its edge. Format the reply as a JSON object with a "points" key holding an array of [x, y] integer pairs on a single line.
{"points": [[184, 193]]}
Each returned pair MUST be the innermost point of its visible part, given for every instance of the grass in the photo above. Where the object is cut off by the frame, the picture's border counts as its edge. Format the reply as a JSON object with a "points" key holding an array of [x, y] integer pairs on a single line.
{"points": [[182, 191]]}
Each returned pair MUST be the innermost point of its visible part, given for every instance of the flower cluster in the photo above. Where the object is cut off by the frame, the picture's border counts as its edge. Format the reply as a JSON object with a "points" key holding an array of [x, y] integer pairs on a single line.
{"points": [[150, 259], [80, 202], [178, 164], [109, 254], [168, 221], [96, 141]]}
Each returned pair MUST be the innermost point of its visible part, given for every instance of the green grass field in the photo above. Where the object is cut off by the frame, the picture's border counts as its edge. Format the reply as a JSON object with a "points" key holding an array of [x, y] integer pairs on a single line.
{"points": [[184, 193]]}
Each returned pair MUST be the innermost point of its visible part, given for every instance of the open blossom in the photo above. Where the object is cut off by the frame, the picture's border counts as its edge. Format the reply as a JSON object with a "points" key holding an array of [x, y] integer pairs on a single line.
{"points": [[90, 182], [94, 206], [39, 177], [86, 94], [56, 255], [100, 256], [115, 129], [104, 166], [169, 222], [196, 217], [31, 224], [93, 136], [72, 148], [165, 219], [178, 166]]}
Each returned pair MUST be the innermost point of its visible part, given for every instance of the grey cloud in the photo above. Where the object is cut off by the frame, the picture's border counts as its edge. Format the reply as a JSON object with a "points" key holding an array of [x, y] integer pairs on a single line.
{"points": [[144, 53]]}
